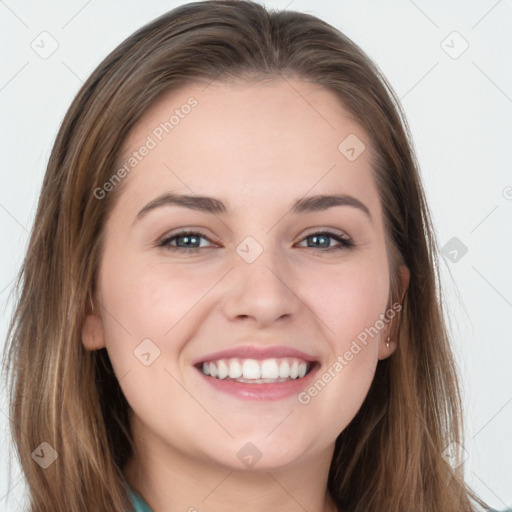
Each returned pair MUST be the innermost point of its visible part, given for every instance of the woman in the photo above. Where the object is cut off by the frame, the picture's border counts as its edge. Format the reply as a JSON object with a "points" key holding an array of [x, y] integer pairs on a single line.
{"points": [[249, 371]]}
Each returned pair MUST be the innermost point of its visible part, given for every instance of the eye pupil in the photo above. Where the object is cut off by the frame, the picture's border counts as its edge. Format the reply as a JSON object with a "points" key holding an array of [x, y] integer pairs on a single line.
{"points": [[187, 239], [315, 238]]}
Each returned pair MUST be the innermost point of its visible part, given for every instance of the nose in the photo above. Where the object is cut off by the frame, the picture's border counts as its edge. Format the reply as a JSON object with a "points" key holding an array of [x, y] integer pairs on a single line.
{"points": [[262, 291]]}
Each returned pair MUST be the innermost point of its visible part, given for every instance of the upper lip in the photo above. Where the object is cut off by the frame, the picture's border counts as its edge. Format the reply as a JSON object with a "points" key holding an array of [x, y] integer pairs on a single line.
{"points": [[256, 352]]}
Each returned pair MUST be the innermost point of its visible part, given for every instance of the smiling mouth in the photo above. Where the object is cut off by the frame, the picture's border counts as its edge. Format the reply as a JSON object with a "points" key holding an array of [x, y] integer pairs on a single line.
{"points": [[254, 371]]}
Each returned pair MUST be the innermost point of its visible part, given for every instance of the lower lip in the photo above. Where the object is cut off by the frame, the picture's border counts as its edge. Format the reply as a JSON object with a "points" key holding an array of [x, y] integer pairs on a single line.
{"points": [[270, 391]]}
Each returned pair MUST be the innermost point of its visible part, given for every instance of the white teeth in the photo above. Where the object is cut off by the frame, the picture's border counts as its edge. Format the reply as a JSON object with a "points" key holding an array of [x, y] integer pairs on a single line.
{"points": [[284, 369], [294, 370], [256, 371], [223, 369], [235, 369], [251, 369], [269, 369]]}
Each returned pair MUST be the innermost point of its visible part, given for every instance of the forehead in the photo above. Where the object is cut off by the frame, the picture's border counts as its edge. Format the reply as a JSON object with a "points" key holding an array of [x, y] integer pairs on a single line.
{"points": [[248, 142]]}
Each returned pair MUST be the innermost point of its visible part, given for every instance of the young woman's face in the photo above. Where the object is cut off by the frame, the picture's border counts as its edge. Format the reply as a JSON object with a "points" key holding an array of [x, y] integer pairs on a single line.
{"points": [[254, 289]]}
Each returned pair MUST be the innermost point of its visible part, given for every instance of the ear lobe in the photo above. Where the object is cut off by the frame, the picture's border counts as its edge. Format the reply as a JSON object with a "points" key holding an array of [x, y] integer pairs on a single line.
{"points": [[384, 351], [390, 333], [92, 333]]}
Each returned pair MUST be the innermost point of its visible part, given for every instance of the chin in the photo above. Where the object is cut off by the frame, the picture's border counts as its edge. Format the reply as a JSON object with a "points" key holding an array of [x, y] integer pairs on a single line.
{"points": [[261, 452]]}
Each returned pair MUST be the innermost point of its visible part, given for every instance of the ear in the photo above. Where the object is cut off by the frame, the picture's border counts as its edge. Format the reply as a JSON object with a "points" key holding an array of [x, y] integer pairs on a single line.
{"points": [[405, 276], [93, 337], [391, 329]]}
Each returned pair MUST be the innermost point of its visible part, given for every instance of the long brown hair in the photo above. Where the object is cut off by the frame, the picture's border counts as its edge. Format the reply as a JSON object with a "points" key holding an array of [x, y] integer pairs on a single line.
{"points": [[391, 456]]}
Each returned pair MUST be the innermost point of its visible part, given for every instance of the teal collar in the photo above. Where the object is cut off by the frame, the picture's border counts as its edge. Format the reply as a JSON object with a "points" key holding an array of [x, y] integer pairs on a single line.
{"points": [[139, 505]]}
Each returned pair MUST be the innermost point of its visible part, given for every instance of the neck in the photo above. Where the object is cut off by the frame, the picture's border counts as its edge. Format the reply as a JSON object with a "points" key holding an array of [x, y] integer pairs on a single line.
{"points": [[168, 479]]}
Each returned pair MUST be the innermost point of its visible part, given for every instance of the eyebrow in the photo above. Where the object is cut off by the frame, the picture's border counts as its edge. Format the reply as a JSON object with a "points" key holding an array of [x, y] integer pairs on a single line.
{"points": [[212, 205]]}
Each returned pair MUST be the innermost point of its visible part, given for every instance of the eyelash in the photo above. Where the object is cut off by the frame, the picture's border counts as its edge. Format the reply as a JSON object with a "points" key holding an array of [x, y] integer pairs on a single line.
{"points": [[345, 243]]}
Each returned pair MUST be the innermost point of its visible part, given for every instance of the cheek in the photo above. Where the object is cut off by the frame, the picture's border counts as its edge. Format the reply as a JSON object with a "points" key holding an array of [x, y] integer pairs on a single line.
{"points": [[145, 309], [350, 307], [350, 299], [143, 301], [149, 300]]}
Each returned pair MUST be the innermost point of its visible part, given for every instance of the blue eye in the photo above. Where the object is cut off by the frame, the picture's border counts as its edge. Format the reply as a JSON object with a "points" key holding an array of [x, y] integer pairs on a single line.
{"points": [[190, 241], [321, 236], [185, 240]]}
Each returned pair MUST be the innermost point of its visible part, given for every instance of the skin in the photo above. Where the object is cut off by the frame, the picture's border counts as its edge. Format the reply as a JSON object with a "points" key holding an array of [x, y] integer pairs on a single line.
{"points": [[257, 147]]}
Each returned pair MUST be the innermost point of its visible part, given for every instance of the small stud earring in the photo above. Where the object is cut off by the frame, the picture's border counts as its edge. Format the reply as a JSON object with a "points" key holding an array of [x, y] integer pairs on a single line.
{"points": [[387, 343]]}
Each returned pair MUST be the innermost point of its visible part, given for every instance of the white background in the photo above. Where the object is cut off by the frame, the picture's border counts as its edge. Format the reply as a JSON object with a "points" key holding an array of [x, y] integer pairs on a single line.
{"points": [[460, 113]]}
